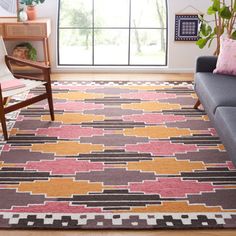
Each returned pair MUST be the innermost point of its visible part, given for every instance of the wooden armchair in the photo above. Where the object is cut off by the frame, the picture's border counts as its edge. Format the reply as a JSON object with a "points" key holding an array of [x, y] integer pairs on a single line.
{"points": [[8, 88]]}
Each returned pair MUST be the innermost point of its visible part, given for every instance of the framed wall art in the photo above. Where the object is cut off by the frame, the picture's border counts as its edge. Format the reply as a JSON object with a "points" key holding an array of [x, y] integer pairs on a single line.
{"points": [[186, 27], [8, 8]]}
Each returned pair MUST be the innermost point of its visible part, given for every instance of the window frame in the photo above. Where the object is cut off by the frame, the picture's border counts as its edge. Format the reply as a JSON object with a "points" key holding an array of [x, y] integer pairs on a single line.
{"points": [[129, 28]]}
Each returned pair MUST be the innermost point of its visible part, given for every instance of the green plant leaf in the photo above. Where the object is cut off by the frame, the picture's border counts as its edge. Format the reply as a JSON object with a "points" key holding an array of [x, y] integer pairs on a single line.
{"points": [[208, 29], [211, 11], [216, 5], [225, 13], [202, 42], [32, 54], [205, 29], [233, 35]]}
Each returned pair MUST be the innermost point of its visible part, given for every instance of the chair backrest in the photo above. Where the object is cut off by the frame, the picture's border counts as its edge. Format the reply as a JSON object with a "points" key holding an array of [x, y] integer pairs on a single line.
{"points": [[4, 71]]}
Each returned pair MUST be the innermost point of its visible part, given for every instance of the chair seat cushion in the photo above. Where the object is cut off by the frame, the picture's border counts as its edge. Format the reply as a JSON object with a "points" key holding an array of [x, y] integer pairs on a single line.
{"points": [[215, 90], [29, 84], [225, 120]]}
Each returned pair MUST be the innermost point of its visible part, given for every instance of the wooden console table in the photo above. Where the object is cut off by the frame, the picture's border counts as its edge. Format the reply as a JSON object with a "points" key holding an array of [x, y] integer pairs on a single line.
{"points": [[37, 30]]}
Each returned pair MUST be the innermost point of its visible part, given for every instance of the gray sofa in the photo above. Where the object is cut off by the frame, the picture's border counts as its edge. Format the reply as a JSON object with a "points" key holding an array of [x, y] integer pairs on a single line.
{"points": [[217, 94]]}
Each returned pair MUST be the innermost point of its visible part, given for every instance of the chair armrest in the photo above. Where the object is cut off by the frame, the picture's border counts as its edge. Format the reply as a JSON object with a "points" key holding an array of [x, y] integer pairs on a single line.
{"points": [[45, 69], [26, 62], [206, 63]]}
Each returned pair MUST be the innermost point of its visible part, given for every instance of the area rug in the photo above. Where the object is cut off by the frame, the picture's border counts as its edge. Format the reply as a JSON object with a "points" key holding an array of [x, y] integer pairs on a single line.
{"points": [[120, 155]]}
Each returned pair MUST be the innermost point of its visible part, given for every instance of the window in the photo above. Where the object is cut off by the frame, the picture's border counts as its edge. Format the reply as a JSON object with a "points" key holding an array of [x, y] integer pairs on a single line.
{"points": [[112, 32]]}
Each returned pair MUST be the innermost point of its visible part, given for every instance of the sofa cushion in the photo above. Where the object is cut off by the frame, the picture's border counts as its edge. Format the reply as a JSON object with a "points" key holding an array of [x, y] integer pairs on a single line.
{"points": [[225, 121], [215, 90], [226, 60]]}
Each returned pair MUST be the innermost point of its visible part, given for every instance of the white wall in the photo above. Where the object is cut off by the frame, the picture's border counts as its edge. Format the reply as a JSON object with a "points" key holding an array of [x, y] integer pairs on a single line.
{"points": [[181, 55]]}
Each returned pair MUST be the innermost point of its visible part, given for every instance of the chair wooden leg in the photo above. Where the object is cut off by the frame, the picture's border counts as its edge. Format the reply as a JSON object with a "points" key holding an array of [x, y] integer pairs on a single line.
{"points": [[3, 120], [197, 104], [50, 101]]}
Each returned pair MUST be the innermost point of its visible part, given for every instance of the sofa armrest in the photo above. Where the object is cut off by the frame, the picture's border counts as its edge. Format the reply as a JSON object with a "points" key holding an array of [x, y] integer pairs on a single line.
{"points": [[206, 63]]}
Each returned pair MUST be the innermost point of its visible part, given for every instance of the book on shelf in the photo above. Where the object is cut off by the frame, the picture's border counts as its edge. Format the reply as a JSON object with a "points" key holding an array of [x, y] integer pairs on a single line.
{"points": [[11, 84]]}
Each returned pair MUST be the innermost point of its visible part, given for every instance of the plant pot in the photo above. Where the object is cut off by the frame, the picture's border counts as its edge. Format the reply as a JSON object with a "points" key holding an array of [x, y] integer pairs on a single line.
{"points": [[21, 53], [31, 12]]}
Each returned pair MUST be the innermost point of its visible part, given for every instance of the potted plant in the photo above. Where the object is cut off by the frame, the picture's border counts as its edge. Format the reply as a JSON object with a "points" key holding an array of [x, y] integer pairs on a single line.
{"points": [[30, 4], [25, 51], [224, 13]]}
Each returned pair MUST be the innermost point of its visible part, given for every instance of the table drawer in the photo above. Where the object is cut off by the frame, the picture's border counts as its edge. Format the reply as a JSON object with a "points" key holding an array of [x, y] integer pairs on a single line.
{"points": [[25, 30]]}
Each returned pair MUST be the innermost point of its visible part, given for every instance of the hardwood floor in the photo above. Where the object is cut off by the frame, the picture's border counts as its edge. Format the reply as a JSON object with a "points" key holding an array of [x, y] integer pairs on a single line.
{"points": [[131, 76], [123, 77]]}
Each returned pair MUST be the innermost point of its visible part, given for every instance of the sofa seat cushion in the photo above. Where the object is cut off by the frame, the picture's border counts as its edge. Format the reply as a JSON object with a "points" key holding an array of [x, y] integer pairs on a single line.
{"points": [[215, 90], [225, 121]]}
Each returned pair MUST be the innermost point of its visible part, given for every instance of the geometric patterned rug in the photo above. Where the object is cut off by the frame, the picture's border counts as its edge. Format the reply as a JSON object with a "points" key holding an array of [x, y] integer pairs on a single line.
{"points": [[120, 155]]}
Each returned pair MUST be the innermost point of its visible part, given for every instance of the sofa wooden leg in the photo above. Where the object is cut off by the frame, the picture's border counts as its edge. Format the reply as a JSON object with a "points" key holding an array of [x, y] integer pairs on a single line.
{"points": [[197, 104]]}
